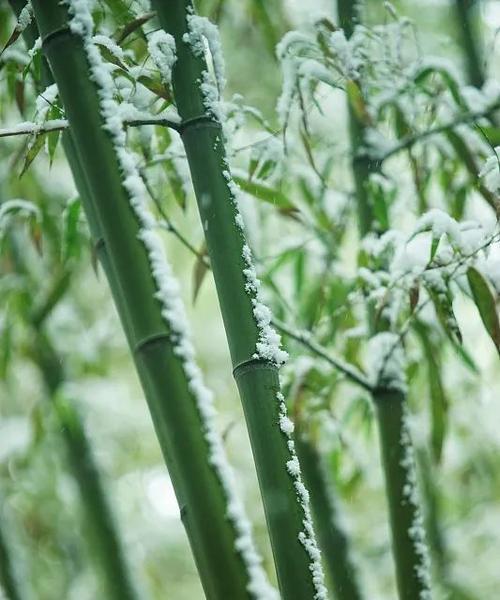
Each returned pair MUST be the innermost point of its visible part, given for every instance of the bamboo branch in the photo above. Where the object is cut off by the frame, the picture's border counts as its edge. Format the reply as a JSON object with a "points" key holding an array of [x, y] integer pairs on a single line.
{"points": [[307, 341], [408, 142], [62, 124]]}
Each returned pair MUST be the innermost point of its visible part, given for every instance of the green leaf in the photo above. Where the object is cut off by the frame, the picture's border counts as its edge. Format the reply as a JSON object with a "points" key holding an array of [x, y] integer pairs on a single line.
{"points": [[5, 346], [201, 268], [434, 246], [485, 302], [33, 149], [176, 183], [443, 305], [266, 193], [156, 87], [70, 242], [126, 30], [450, 82], [438, 399], [357, 102]]}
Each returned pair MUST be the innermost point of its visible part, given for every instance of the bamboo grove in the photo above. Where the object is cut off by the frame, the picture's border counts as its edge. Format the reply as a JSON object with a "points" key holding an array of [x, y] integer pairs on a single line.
{"points": [[347, 234]]}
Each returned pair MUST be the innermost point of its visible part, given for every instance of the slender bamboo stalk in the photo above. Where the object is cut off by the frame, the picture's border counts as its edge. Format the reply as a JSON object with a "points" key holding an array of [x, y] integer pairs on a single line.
{"points": [[105, 542], [408, 539], [220, 543], [251, 341], [471, 50], [408, 536], [106, 546], [8, 583], [332, 538], [103, 532]]}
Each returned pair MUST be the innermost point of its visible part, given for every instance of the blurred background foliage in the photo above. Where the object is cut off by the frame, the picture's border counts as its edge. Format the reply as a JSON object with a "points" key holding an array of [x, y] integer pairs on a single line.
{"points": [[301, 220]]}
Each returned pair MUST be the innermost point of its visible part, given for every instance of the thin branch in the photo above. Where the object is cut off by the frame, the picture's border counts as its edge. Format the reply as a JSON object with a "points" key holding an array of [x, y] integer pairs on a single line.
{"points": [[409, 141], [62, 124], [306, 340]]}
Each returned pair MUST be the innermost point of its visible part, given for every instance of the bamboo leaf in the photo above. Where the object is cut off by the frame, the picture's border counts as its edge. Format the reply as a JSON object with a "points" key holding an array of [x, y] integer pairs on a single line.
{"points": [[156, 87], [357, 102], [123, 33], [32, 151], [485, 302], [442, 302], [12, 38], [201, 268], [266, 193], [438, 401], [70, 246]]}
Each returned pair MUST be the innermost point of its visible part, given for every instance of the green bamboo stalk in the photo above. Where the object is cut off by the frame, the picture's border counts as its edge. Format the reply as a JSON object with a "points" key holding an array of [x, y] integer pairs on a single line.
{"points": [[469, 42], [105, 542], [8, 583], [251, 342], [408, 539], [361, 164], [221, 546], [408, 536], [332, 538]]}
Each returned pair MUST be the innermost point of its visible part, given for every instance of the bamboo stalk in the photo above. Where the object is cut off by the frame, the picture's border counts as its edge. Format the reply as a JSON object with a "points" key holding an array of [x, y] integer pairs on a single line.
{"points": [[193, 452], [408, 539], [408, 536], [332, 538], [107, 549], [471, 50], [103, 536], [8, 583], [284, 496]]}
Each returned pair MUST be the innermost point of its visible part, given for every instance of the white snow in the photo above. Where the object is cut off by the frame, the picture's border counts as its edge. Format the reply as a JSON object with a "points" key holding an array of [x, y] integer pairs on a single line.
{"points": [[307, 536], [387, 361], [161, 46]]}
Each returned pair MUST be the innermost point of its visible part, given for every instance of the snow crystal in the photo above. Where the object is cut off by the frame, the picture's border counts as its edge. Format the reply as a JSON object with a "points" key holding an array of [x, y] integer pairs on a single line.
{"points": [[173, 311]]}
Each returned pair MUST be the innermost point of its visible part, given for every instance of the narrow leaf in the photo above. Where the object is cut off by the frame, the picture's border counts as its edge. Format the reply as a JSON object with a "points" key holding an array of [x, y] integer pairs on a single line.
{"points": [[485, 302]]}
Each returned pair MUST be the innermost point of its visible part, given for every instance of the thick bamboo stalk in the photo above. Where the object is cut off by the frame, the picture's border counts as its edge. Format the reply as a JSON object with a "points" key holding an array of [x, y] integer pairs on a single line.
{"points": [[246, 320], [187, 443], [408, 537], [333, 540], [8, 583]]}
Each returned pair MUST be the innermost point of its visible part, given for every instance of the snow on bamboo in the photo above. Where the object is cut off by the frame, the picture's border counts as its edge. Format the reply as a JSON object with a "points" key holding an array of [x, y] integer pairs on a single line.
{"points": [[416, 532], [388, 372], [268, 346], [173, 311]]}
